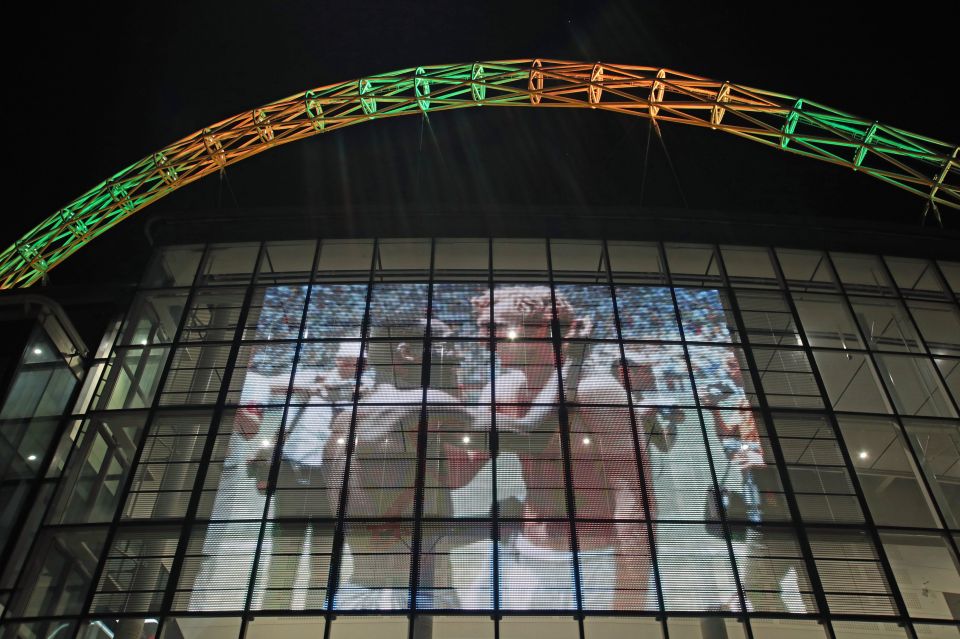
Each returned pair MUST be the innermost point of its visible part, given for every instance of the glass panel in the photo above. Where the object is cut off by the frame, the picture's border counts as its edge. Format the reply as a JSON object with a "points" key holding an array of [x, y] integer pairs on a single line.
{"points": [[914, 385], [345, 258], [862, 273], [636, 261], [535, 627], [294, 565], [851, 381], [131, 378], [658, 376], [528, 256], [459, 627], [939, 324], [153, 318], [951, 272], [693, 264], [826, 321], [887, 474], [376, 566], [58, 574], [748, 266], [936, 631], [404, 255], [806, 270], [722, 376], [455, 566], [786, 377], [937, 445], [620, 627], [168, 466], [767, 318], [787, 629], [706, 316], [695, 568], [336, 311], [950, 371], [849, 568], [927, 573], [261, 627], [216, 567], [773, 572], [886, 325], [591, 307], [213, 315], [578, 259], [236, 479], [98, 469], [398, 310], [746, 469], [195, 375], [275, 313], [201, 628], [173, 266], [647, 313], [135, 571], [462, 255], [366, 627], [869, 630], [287, 261], [818, 475], [261, 375], [915, 278], [37, 629], [226, 264], [705, 628], [122, 628]]}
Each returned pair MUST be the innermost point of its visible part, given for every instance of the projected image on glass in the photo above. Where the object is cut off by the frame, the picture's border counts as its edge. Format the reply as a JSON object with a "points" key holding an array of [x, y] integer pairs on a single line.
{"points": [[516, 447]]}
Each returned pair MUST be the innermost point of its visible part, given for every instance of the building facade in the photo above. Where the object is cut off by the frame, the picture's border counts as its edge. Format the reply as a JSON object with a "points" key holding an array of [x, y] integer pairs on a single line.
{"points": [[493, 438]]}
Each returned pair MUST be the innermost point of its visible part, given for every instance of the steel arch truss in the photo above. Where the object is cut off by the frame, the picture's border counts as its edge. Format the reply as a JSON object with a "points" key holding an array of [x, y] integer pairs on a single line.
{"points": [[923, 166]]}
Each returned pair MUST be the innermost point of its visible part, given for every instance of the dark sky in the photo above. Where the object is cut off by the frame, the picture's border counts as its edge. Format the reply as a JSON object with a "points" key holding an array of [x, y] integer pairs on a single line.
{"points": [[95, 88]]}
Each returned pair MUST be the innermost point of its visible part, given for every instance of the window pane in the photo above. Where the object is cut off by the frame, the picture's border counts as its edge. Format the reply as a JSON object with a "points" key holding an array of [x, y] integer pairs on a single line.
{"points": [[851, 382], [786, 377], [225, 264], [914, 386], [939, 324], [693, 264], [937, 445], [820, 480], [135, 571], [806, 270], [462, 255], [153, 318], [275, 313], [636, 261], [345, 259], [767, 318], [915, 278], [695, 568], [706, 316], [216, 567], [532, 627], [826, 321], [887, 474], [927, 573], [647, 313], [885, 324], [287, 261], [748, 266], [173, 266], [849, 568], [862, 273], [58, 574]]}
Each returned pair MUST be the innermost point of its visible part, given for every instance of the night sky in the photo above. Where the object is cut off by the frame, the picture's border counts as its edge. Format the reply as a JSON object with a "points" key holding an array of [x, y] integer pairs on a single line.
{"points": [[94, 89]]}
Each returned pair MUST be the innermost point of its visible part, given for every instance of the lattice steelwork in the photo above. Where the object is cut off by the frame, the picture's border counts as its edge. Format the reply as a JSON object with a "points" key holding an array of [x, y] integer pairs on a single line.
{"points": [[923, 166]]}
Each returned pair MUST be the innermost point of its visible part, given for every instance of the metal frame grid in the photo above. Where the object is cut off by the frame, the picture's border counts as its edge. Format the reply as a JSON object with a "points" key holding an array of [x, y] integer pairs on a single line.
{"points": [[921, 165], [185, 526]]}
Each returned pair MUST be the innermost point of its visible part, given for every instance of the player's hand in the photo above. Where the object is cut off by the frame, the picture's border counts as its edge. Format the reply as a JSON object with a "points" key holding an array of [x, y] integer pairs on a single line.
{"points": [[748, 459], [247, 421]]}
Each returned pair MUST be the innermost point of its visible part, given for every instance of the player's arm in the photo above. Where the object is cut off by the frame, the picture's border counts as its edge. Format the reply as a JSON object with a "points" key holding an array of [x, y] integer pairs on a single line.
{"points": [[631, 544], [335, 456]]}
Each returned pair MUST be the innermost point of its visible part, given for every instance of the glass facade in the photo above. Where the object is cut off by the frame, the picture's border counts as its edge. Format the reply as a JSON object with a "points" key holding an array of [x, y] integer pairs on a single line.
{"points": [[499, 438]]}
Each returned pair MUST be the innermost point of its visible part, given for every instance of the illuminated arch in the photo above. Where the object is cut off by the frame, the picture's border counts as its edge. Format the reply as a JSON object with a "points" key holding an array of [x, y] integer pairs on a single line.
{"points": [[923, 166]]}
